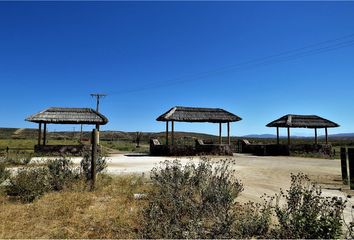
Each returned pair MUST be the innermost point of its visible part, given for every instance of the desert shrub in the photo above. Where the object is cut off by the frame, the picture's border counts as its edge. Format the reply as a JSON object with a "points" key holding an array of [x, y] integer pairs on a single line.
{"points": [[194, 201], [28, 183], [85, 164], [4, 173], [307, 214], [61, 173], [253, 219]]}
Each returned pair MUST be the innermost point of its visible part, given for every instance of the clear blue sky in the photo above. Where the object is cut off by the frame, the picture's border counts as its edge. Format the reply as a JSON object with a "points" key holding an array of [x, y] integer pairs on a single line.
{"points": [[151, 56]]}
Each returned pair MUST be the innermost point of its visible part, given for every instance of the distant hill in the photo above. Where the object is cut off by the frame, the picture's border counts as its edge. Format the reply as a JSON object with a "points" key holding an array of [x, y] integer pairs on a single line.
{"points": [[338, 136], [341, 135], [259, 136], [32, 133]]}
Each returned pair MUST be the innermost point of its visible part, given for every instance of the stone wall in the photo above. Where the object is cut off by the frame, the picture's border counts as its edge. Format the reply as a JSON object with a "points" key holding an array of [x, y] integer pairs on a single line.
{"points": [[157, 149], [285, 150]]}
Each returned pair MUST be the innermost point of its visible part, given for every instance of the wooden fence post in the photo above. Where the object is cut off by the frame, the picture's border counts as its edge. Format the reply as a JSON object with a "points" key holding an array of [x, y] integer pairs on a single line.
{"points": [[94, 140], [351, 167], [343, 163]]}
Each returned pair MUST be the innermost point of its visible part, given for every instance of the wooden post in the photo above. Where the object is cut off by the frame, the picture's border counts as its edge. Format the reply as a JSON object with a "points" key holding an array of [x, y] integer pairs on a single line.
{"points": [[39, 133], [343, 163], [166, 132], [289, 136], [278, 135], [94, 139], [220, 140], [326, 133], [228, 133], [44, 134], [351, 167], [173, 132], [316, 136], [81, 134]]}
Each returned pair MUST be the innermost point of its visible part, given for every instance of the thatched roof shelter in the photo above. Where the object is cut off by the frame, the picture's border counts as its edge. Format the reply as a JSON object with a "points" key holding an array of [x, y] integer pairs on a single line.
{"points": [[302, 121], [61, 115], [195, 114]]}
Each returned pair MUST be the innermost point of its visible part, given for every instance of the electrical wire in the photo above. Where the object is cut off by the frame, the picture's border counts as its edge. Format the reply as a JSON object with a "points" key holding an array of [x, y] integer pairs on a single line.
{"points": [[285, 56]]}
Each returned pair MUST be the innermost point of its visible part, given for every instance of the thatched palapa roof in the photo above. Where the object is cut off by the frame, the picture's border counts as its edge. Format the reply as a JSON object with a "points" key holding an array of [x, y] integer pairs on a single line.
{"points": [[193, 114], [60, 115], [302, 121]]}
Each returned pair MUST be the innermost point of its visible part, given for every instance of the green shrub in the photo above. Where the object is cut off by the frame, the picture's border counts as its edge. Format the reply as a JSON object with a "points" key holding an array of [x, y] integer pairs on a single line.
{"points": [[307, 214], [28, 183], [85, 164], [194, 201], [61, 173]]}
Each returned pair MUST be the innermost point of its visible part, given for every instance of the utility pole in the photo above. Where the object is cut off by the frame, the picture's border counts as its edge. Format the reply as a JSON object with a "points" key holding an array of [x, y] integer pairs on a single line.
{"points": [[98, 96]]}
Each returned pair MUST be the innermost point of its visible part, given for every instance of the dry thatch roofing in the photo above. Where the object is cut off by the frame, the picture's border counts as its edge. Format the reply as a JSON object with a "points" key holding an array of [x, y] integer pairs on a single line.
{"points": [[59, 115], [192, 114], [302, 121]]}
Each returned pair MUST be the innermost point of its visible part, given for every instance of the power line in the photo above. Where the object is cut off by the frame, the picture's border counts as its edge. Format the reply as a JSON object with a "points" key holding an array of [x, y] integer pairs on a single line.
{"points": [[297, 53]]}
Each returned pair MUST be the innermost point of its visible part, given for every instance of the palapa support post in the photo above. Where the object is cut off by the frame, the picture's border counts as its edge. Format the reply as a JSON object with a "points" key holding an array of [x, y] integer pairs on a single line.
{"points": [[289, 136], [326, 133], [44, 134], [316, 141], [278, 135], [81, 134], [351, 167], [172, 132], [343, 163], [166, 132], [220, 139], [94, 142], [228, 133], [39, 133]]}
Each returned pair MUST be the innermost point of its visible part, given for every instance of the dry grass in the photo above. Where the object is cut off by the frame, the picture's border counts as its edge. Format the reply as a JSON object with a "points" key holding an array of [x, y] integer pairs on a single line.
{"points": [[108, 212]]}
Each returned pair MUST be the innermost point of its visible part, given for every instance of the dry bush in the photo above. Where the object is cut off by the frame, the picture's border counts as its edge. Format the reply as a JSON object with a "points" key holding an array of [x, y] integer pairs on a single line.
{"points": [[28, 183], [306, 213], [191, 201], [253, 219], [61, 173], [85, 164]]}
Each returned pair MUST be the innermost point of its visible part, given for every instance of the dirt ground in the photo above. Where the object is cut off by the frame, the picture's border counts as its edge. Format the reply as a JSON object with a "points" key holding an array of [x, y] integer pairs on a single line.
{"points": [[259, 175]]}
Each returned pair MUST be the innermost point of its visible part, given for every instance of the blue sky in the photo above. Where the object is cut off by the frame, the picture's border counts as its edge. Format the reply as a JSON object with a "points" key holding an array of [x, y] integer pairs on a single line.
{"points": [[151, 56]]}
